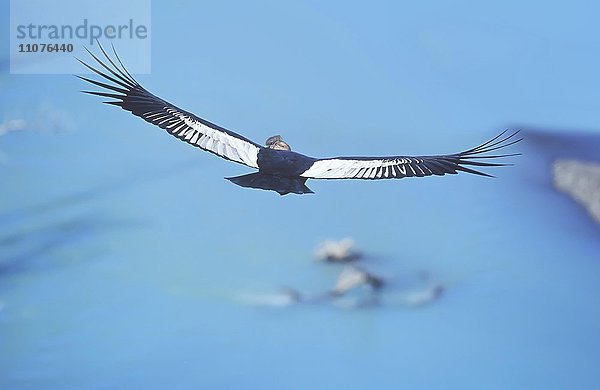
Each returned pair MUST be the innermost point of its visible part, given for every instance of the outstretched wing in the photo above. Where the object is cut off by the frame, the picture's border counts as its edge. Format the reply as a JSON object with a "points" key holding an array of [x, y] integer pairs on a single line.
{"points": [[402, 166], [196, 131]]}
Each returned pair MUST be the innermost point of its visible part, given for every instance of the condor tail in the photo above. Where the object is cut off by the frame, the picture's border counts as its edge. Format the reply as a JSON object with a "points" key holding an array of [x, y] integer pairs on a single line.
{"points": [[280, 184]]}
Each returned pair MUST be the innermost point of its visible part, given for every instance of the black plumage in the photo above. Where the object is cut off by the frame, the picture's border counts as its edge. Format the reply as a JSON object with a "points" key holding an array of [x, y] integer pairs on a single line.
{"points": [[279, 168]]}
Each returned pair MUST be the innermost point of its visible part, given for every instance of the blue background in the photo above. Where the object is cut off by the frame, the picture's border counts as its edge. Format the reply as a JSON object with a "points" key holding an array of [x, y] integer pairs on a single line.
{"points": [[124, 253]]}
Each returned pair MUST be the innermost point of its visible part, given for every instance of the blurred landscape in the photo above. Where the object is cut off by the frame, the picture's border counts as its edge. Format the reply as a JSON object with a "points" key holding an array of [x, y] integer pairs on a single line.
{"points": [[127, 261]]}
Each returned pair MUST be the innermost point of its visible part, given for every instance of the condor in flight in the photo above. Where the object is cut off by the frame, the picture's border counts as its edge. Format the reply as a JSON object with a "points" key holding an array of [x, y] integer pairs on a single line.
{"points": [[279, 168]]}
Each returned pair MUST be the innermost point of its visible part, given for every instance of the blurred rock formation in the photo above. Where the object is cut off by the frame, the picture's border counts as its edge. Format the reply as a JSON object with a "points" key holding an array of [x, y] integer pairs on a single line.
{"points": [[580, 180]]}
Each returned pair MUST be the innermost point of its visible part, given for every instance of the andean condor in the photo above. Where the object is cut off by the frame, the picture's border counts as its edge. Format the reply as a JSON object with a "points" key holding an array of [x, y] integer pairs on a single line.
{"points": [[279, 168]]}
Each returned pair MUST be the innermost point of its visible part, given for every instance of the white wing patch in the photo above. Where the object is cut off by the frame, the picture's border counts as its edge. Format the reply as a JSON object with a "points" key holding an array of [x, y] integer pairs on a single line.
{"points": [[339, 168], [199, 134], [131, 96]]}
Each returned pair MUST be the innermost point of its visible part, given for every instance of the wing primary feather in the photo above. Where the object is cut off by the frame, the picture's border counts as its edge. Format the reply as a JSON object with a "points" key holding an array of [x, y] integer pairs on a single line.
{"points": [[123, 75], [473, 171], [103, 85], [103, 74], [489, 146], [459, 161], [109, 69], [483, 164], [123, 66], [495, 156], [487, 142], [104, 94], [491, 149]]}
